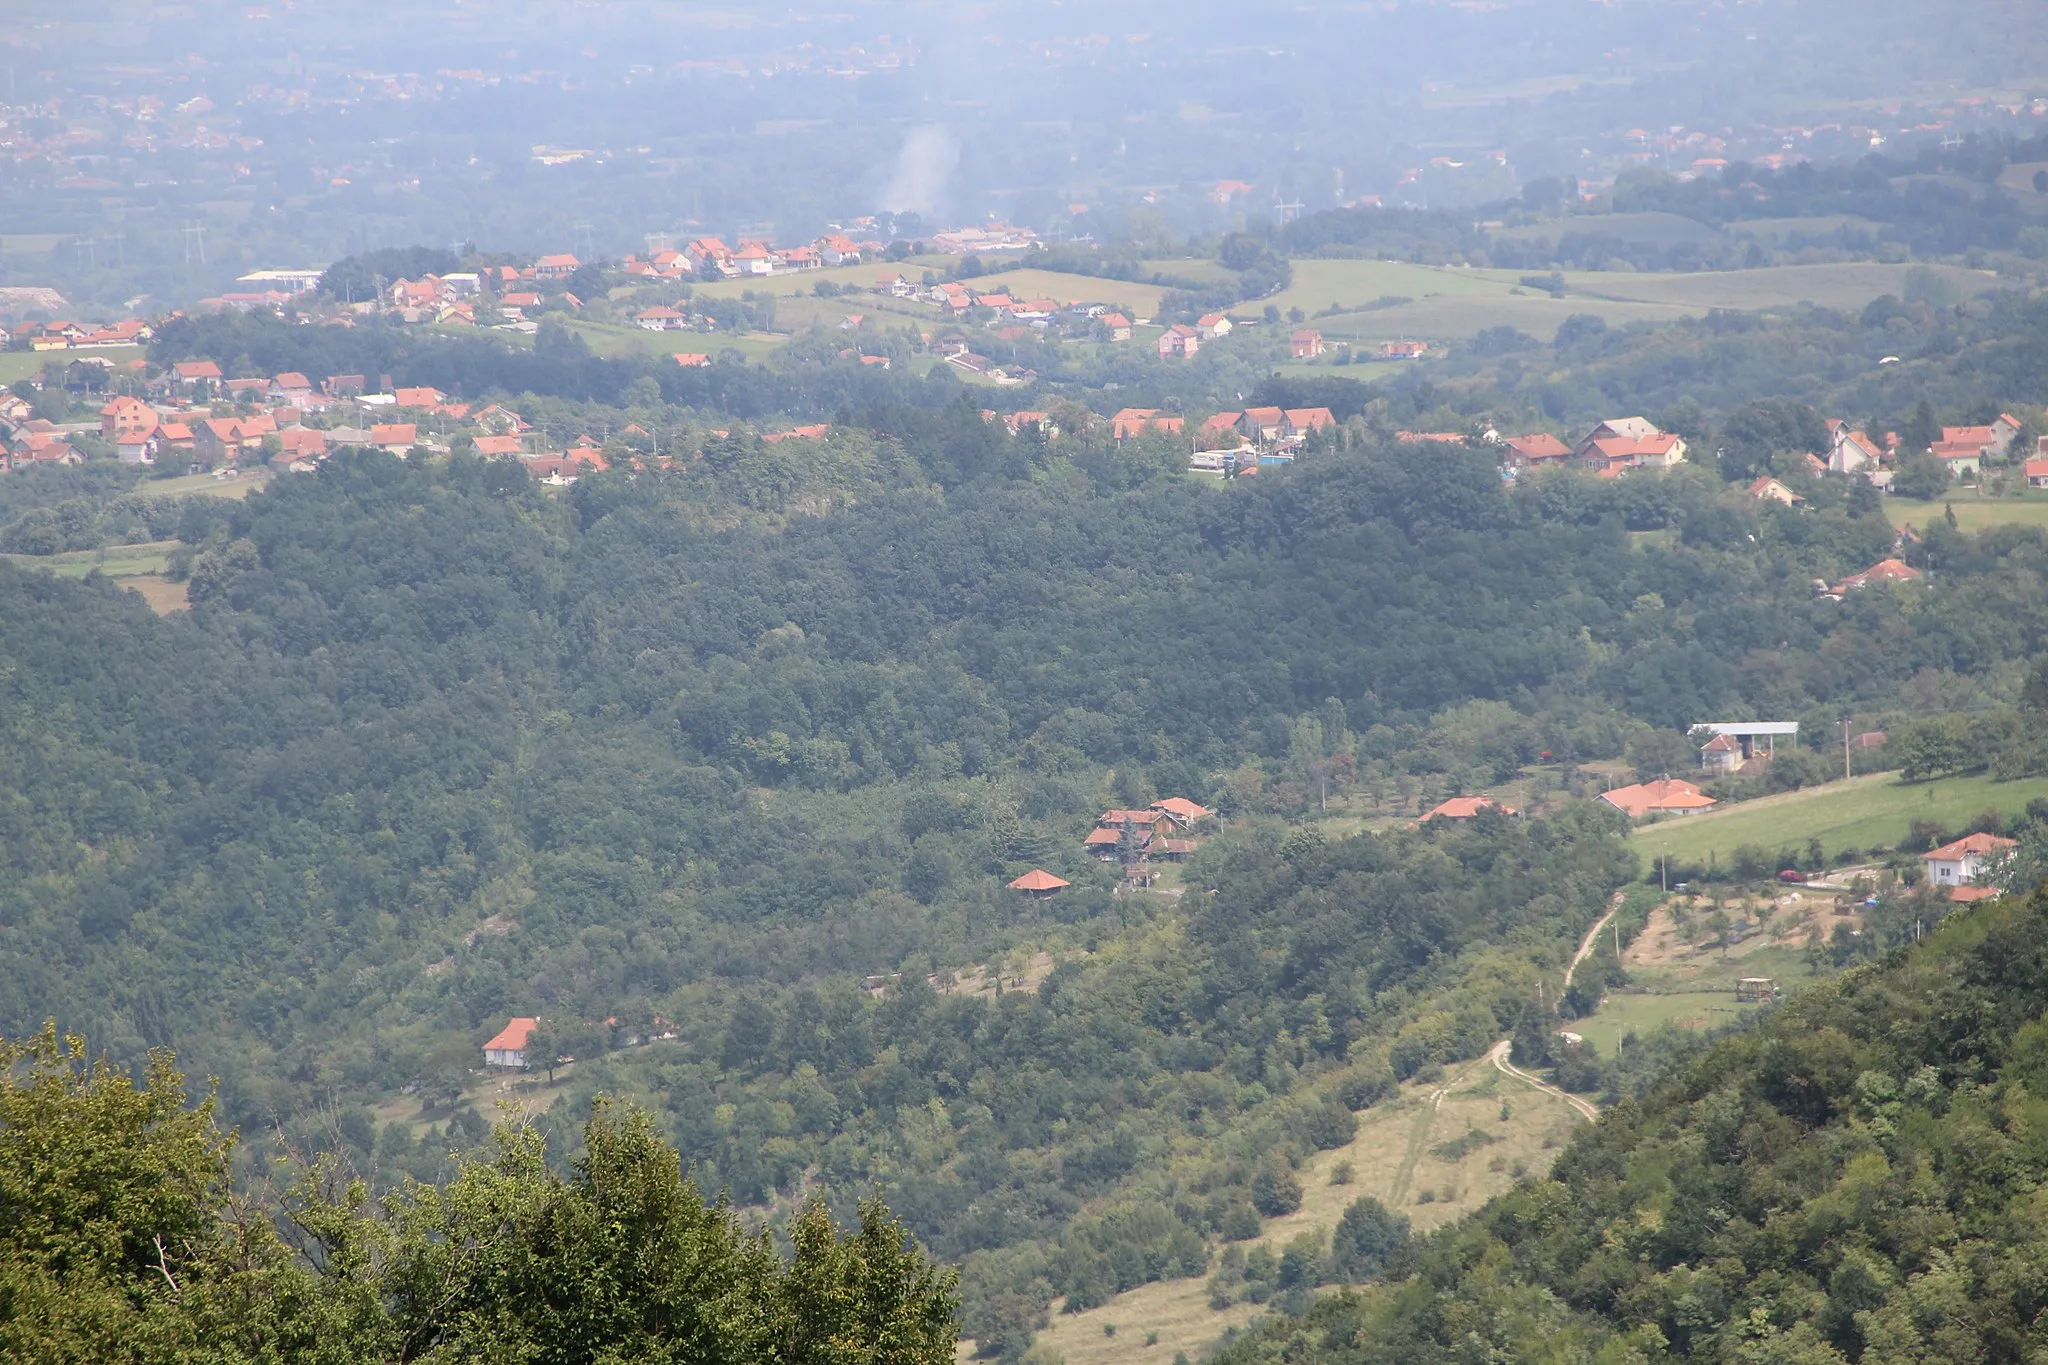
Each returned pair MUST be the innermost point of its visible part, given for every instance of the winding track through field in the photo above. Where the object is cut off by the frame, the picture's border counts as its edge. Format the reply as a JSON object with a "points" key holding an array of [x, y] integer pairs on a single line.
{"points": [[1587, 1110], [1586, 944]]}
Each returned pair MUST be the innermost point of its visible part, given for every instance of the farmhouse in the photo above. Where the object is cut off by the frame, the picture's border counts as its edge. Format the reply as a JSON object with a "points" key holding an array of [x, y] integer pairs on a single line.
{"points": [[1182, 811], [1179, 340], [1138, 421], [508, 1048], [1665, 796], [1853, 452], [661, 320], [1459, 809], [1961, 863], [1768, 489], [1884, 571], [1537, 450], [1305, 345], [2037, 473]]}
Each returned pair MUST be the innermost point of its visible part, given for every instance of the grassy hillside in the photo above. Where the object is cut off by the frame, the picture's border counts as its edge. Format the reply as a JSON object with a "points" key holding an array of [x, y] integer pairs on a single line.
{"points": [[1412, 1153], [1974, 512], [1859, 813], [1452, 302], [1846, 1181]]}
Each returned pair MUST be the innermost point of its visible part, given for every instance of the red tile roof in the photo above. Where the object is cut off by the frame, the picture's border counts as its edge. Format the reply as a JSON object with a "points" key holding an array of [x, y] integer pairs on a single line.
{"points": [[1183, 809], [1664, 794], [513, 1037], [1038, 879], [1884, 571], [1970, 843], [1465, 807]]}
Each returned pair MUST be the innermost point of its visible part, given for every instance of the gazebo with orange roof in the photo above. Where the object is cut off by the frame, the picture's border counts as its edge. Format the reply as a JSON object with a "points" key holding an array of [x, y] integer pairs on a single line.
{"points": [[1038, 883]]}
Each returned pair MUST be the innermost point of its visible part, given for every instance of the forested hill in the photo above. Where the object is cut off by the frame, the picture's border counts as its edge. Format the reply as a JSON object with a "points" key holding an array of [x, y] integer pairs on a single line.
{"points": [[408, 699], [434, 747], [1856, 1180]]}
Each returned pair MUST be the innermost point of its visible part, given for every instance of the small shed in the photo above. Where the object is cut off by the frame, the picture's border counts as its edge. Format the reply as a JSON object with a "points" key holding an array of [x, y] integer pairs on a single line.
{"points": [[1756, 988]]}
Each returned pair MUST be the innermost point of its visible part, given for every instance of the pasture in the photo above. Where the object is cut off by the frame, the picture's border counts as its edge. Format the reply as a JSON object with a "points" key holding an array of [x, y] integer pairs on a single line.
{"points": [[1621, 1014], [1450, 302], [1653, 229], [115, 561], [1860, 813], [18, 365], [1974, 512], [617, 339]]}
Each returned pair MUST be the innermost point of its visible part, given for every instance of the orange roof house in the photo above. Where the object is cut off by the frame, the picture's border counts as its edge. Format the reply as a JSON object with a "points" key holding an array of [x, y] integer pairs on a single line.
{"points": [[396, 437], [1462, 808], [1884, 571], [1144, 819], [1665, 796], [1307, 421], [508, 1048], [127, 419], [1181, 810], [1039, 882], [1536, 449], [1138, 421], [1963, 861]]}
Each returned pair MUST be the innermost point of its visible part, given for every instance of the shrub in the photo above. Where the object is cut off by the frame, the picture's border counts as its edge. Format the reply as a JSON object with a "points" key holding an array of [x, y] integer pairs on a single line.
{"points": [[1275, 1192], [1329, 1125]]}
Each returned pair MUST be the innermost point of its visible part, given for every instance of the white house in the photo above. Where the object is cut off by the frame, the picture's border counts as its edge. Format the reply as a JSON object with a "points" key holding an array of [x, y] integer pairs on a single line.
{"points": [[508, 1049], [1964, 861]]}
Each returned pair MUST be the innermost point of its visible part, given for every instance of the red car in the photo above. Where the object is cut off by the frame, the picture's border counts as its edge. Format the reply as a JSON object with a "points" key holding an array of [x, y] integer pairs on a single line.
{"points": [[1792, 874]]}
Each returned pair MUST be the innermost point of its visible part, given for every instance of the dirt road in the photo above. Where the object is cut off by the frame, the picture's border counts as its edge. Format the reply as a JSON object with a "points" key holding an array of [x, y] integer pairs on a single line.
{"points": [[1587, 1109], [1592, 935]]}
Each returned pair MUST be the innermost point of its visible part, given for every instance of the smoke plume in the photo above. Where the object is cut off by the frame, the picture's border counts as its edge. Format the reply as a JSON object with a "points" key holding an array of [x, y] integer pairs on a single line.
{"points": [[922, 168]]}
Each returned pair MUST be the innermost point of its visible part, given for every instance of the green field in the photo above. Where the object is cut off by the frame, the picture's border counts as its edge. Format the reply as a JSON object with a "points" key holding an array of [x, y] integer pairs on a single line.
{"points": [[116, 561], [614, 339], [1973, 512], [16, 365], [1654, 229], [1859, 813], [188, 485], [1778, 229], [1622, 1014], [1450, 302]]}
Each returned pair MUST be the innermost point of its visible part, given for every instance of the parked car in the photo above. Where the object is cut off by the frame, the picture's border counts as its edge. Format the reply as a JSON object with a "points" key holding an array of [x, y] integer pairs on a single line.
{"points": [[1793, 875]]}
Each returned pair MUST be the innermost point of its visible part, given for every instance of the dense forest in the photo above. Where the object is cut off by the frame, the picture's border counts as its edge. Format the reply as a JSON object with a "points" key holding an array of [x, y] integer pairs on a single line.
{"points": [[125, 1238], [435, 746]]}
